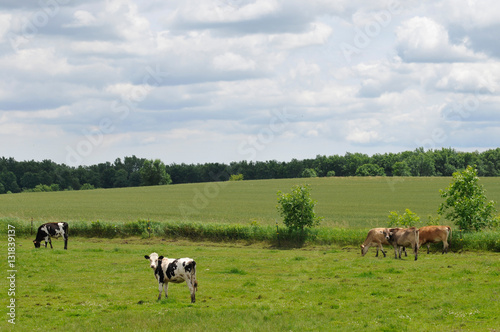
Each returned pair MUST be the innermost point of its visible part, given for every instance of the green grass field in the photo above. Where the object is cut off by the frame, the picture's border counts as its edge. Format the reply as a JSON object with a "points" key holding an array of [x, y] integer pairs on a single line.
{"points": [[356, 202], [104, 285]]}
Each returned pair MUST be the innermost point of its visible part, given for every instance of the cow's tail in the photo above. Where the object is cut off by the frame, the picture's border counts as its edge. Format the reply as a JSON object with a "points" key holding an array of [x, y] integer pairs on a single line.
{"points": [[417, 239], [449, 231], [193, 276]]}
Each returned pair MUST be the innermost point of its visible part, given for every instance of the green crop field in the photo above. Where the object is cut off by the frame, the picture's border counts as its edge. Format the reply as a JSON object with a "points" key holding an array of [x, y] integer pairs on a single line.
{"points": [[104, 285], [356, 202]]}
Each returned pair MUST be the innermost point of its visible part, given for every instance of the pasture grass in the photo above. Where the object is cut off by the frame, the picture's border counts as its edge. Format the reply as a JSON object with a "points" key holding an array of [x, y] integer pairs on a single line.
{"points": [[106, 284], [353, 202]]}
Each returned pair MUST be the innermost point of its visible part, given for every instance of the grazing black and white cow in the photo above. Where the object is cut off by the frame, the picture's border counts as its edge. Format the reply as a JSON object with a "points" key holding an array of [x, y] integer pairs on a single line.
{"points": [[50, 230], [173, 270]]}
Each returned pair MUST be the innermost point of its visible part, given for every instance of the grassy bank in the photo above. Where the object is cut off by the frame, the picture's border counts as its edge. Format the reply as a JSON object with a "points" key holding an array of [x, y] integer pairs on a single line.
{"points": [[218, 232]]}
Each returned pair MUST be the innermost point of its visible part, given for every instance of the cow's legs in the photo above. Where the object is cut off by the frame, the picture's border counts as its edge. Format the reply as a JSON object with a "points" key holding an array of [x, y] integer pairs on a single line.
{"points": [[66, 242], [396, 252], [381, 249], [50, 242], [415, 249], [166, 289], [428, 248], [191, 290], [445, 246], [160, 289]]}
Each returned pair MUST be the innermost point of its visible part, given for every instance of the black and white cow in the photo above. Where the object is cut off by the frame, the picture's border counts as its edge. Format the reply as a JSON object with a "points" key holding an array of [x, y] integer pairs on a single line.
{"points": [[173, 270], [49, 230]]}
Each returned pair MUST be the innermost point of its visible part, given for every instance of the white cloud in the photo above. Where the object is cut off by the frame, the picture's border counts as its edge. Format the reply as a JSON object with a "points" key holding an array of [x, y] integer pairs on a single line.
{"points": [[230, 61], [5, 21], [317, 34], [363, 131], [82, 18], [422, 39]]}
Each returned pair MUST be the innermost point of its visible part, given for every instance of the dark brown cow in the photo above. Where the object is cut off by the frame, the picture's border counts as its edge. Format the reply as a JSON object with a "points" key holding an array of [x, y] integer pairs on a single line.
{"points": [[376, 237], [404, 237], [434, 234]]}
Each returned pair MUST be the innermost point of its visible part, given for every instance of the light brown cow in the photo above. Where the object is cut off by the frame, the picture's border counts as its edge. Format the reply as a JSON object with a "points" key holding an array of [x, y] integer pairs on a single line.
{"points": [[376, 237], [404, 237], [434, 234]]}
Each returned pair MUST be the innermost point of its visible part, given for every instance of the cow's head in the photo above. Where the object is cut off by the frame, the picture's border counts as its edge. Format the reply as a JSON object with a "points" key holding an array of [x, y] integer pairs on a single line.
{"points": [[37, 244], [387, 234], [153, 260], [363, 251], [390, 233]]}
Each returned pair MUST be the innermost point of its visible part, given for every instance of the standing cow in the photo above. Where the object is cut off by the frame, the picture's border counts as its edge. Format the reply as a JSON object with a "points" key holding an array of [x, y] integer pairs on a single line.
{"points": [[434, 234], [376, 237], [50, 230], [173, 270], [404, 237]]}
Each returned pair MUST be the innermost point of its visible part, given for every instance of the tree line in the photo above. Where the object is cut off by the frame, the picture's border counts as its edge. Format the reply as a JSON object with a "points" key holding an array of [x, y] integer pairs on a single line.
{"points": [[17, 176]]}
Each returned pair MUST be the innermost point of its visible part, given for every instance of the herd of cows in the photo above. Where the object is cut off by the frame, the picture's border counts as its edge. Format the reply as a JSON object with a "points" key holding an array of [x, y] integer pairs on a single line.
{"points": [[184, 269], [400, 238]]}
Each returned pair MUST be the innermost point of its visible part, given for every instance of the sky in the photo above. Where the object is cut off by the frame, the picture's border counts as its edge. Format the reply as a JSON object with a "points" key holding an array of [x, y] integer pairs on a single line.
{"points": [[197, 81]]}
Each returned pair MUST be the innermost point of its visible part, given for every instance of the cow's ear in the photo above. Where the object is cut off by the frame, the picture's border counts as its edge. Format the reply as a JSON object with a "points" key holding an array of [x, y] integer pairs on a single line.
{"points": [[160, 258], [146, 256]]}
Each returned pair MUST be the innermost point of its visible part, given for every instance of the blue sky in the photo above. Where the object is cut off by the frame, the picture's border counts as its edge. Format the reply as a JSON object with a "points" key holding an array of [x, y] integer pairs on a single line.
{"points": [[84, 82]]}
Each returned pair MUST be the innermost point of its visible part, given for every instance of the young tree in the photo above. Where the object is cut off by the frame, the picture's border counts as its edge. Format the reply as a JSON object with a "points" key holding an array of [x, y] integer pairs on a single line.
{"points": [[370, 170], [401, 168], [297, 208], [309, 173], [154, 173], [465, 202]]}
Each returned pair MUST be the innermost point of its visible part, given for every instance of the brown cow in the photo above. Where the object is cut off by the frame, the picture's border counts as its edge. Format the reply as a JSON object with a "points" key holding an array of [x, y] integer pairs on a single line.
{"points": [[376, 237], [434, 234], [404, 237]]}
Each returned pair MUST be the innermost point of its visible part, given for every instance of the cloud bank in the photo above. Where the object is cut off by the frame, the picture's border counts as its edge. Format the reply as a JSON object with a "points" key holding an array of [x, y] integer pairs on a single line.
{"points": [[226, 80]]}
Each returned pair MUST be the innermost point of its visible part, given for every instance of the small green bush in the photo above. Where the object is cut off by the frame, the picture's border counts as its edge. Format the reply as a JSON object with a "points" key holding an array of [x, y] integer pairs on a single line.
{"points": [[297, 208], [236, 177], [407, 219]]}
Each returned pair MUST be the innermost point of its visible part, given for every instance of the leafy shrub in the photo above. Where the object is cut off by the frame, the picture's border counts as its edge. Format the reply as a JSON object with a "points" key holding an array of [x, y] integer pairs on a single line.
{"points": [[309, 173], [297, 208], [407, 219], [87, 186], [236, 177], [370, 170]]}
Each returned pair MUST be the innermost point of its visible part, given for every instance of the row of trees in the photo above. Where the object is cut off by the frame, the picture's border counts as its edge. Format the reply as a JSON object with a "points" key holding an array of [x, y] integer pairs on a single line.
{"points": [[442, 162], [16, 176], [48, 176]]}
